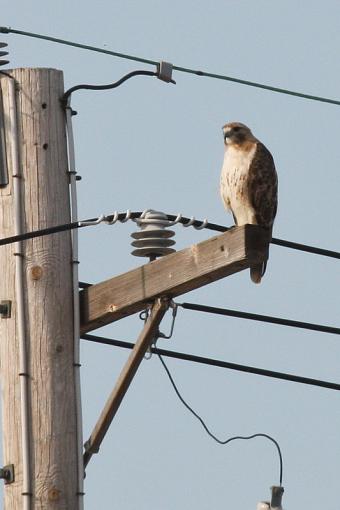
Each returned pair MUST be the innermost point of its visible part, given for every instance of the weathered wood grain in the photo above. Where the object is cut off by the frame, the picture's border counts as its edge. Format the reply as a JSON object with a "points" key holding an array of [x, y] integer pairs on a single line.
{"points": [[170, 276], [48, 294]]}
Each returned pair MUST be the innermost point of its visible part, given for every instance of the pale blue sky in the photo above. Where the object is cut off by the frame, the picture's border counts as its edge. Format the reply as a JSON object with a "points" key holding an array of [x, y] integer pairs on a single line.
{"points": [[148, 144]]}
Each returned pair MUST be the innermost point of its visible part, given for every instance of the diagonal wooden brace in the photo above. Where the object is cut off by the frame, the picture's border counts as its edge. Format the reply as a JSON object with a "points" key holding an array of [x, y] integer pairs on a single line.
{"points": [[127, 374]]}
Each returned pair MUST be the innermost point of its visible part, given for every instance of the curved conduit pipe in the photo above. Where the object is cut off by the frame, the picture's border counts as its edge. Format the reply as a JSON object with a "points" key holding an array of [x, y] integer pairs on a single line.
{"points": [[20, 302], [76, 317]]}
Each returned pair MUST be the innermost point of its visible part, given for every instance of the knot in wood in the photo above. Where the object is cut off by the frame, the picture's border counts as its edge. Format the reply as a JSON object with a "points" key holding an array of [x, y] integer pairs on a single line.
{"points": [[54, 494], [36, 272]]}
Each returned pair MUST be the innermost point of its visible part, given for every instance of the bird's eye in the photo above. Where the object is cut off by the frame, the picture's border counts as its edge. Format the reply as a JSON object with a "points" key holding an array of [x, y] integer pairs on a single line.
{"points": [[236, 129]]}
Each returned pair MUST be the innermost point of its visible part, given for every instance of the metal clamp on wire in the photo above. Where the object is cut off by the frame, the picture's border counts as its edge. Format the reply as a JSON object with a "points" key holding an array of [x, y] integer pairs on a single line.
{"points": [[144, 315], [174, 307], [190, 222], [164, 72]]}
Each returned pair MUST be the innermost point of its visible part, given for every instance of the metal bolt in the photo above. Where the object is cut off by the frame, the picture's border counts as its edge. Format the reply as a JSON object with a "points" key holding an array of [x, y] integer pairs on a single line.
{"points": [[7, 473]]}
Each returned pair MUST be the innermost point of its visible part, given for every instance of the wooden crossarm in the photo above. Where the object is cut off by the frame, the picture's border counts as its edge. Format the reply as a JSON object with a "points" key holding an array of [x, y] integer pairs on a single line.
{"points": [[173, 275]]}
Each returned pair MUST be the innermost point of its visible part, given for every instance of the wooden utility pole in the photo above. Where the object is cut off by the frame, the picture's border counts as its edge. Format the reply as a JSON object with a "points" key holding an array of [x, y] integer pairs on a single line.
{"points": [[37, 355], [44, 454]]}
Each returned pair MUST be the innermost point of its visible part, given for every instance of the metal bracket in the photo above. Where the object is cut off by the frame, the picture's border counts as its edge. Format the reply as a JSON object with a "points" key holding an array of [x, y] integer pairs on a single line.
{"points": [[3, 156], [165, 72], [7, 473], [276, 500], [5, 309]]}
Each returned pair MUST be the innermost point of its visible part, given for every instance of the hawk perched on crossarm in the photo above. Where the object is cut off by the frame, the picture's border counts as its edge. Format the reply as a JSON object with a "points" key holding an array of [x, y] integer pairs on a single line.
{"points": [[248, 182]]}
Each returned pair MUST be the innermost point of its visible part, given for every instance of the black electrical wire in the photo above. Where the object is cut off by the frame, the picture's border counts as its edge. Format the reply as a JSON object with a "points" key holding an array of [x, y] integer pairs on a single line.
{"points": [[305, 248], [217, 363], [279, 242], [197, 223], [39, 233], [258, 317], [208, 431], [60, 228], [106, 87]]}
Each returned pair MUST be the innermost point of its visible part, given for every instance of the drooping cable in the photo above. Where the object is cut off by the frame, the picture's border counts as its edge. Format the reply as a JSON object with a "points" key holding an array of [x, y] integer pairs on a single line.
{"points": [[208, 431], [107, 86]]}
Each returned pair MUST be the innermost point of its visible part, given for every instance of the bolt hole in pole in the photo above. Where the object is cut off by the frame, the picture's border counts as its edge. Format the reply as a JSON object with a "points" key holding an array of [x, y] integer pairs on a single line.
{"points": [[5, 309]]}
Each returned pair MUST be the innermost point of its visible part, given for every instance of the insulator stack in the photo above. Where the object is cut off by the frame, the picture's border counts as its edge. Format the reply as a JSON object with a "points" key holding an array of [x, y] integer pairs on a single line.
{"points": [[3, 53], [153, 240]]}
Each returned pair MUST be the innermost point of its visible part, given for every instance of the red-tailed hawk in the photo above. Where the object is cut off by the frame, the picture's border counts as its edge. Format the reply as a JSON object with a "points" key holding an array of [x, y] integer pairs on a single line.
{"points": [[248, 182]]}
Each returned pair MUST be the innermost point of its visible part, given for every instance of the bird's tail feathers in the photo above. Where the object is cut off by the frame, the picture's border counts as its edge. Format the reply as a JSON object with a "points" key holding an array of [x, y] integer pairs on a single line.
{"points": [[256, 272]]}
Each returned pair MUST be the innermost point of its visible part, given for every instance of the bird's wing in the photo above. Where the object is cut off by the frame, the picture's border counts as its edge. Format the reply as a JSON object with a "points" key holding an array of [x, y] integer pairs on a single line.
{"points": [[263, 186]]}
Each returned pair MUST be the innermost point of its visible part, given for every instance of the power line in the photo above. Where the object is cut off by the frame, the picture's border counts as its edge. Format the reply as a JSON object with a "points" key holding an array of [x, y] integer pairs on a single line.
{"points": [[258, 317], [217, 363], [95, 221], [8, 30], [39, 233], [257, 85], [215, 438], [306, 248], [279, 242], [62, 228], [183, 220]]}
